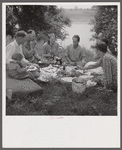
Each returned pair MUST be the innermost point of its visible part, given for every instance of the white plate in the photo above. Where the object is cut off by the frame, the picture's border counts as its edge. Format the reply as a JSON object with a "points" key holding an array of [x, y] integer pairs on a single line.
{"points": [[67, 79], [32, 69]]}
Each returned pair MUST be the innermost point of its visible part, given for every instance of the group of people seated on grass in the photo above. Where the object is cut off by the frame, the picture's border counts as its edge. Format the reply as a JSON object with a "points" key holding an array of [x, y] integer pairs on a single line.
{"points": [[20, 55]]}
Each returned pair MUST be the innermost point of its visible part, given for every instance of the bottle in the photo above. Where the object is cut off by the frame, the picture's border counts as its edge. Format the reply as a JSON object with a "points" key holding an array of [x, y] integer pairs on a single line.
{"points": [[64, 66]]}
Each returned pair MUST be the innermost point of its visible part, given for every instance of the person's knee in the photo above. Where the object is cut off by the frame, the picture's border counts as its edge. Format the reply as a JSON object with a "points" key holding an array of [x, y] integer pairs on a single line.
{"points": [[37, 75]]}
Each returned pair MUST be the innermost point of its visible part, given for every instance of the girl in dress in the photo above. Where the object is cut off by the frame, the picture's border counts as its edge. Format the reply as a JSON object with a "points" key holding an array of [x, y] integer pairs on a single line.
{"points": [[16, 69]]}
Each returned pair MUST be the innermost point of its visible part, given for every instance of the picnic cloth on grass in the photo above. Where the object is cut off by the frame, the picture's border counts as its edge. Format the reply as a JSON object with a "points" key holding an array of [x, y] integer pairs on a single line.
{"points": [[22, 87]]}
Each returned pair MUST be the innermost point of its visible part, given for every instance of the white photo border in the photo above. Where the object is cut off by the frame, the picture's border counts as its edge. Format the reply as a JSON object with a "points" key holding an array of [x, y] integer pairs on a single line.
{"points": [[68, 132]]}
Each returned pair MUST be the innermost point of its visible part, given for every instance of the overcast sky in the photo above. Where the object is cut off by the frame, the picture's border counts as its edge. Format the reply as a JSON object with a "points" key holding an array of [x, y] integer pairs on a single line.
{"points": [[73, 5]]}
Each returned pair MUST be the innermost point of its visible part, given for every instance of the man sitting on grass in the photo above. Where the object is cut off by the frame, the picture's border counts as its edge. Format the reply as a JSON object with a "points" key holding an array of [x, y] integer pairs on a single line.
{"points": [[28, 47], [16, 47], [75, 54]]}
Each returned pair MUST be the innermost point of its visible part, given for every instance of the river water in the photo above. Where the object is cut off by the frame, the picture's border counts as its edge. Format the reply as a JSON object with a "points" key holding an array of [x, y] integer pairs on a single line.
{"points": [[81, 29]]}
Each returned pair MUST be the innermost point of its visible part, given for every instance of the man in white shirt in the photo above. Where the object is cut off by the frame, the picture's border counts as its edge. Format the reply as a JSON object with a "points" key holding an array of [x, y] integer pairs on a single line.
{"points": [[15, 46]]}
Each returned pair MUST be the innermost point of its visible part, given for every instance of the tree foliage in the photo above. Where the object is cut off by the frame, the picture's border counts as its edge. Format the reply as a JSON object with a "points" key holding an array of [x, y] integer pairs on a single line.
{"points": [[105, 25], [11, 20], [46, 18]]}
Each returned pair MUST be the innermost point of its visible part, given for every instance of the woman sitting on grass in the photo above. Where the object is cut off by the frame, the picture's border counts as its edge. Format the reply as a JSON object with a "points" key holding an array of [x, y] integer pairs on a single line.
{"points": [[17, 71], [109, 65]]}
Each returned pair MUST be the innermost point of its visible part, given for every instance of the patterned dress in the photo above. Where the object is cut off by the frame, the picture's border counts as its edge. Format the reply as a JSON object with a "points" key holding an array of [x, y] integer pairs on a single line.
{"points": [[109, 64]]}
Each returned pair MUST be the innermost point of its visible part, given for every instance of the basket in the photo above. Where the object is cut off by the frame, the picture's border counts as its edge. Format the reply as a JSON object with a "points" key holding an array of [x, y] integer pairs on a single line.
{"points": [[78, 85]]}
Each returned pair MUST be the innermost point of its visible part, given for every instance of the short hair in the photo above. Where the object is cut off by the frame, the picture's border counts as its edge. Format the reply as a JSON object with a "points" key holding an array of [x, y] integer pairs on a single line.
{"points": [[17, 56], [77, 37], [30, 31], [104, 40], [102, 46], [21, 33]]}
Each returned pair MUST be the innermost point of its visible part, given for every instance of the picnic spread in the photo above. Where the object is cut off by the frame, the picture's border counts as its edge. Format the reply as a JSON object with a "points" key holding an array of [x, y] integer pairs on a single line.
{"points": [[79, 79], [67, 73]]}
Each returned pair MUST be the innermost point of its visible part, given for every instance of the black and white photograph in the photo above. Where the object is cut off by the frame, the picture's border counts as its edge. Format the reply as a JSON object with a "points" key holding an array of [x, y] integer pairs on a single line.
{"points": [[61, 60]]}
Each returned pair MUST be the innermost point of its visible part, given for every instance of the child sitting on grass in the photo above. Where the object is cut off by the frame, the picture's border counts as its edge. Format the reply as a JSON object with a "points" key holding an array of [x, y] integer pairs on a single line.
{"points": [[17, 71]]}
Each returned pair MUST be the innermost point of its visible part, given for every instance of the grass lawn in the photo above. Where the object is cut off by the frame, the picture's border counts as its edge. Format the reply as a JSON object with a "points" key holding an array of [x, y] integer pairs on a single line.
{"points": [[59, 99]]}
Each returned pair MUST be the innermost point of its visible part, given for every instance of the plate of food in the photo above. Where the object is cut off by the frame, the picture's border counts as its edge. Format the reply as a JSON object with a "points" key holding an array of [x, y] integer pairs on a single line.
{"points": [[43, 78], [32, 68]]}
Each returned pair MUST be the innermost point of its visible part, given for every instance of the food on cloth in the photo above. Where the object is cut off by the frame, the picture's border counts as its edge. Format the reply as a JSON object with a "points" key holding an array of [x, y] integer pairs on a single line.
{"points": [[44, 61], [63, 73], [90, 83], [52, 61], [69, 68], [49, 72], [67, 79], [51, 69], [72, 73], [43, 78], [76, 73]]}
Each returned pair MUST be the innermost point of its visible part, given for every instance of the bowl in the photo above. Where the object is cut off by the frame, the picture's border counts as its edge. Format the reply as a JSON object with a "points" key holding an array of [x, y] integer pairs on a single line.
{"points": [[32, 68]]}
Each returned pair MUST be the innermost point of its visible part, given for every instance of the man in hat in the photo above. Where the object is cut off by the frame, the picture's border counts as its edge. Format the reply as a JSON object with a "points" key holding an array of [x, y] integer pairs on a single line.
{"points": [[16, 46], [75, 54]]}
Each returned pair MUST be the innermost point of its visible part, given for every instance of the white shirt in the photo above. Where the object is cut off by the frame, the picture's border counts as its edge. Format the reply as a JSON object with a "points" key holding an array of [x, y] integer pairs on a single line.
{"points": [[12, 48]]}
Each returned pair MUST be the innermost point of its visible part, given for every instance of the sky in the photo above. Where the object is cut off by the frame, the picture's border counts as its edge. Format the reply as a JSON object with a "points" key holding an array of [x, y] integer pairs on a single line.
{"points": [[73, 5]]}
